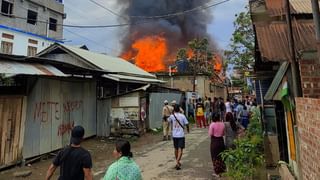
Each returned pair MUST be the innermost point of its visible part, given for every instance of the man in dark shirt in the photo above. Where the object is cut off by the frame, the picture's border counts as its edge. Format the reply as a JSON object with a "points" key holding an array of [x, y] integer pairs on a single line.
{"points": [[74, 161]]}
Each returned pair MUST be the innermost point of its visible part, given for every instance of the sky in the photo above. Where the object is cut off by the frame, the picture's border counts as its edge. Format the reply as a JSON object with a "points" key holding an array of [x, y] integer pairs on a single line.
{"points": [[106, 40]]}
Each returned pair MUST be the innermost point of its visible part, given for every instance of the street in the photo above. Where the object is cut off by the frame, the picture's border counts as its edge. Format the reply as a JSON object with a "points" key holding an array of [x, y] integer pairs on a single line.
{"points": [[155, 158]]}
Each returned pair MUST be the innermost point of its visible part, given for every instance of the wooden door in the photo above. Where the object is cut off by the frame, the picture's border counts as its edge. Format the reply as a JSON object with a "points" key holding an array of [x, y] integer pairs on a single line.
{"points": [[10, 129]]}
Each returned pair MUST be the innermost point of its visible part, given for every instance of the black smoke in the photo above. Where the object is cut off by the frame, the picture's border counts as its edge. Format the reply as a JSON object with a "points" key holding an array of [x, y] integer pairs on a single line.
{"points": [[178, 30]]}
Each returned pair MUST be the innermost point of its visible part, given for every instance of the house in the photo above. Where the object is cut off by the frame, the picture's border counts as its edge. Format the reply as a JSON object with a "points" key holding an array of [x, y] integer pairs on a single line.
{"points": [[40, 104], [286, 56], [46, 96], [205, 85], [27, 27]]}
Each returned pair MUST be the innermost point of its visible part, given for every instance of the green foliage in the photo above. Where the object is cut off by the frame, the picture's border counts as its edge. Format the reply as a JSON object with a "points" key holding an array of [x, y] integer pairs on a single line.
{"points": [[191, 120], [243, 161], [200, 57], [5, 80], [182, 54], [241, 52]]}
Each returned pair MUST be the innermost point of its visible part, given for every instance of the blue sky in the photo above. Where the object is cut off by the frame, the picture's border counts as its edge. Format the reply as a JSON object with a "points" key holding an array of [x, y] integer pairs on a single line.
{"points": [[106, 40]]}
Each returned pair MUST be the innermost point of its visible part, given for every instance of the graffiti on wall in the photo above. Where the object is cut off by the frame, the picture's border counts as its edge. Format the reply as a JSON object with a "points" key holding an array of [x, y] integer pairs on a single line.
{"points": [[65, 128], [45, 111], [48, 111]]}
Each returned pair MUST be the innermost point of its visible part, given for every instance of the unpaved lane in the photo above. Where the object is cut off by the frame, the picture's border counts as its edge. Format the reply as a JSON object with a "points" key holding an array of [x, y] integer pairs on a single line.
{"points": [[155, 158], [157, 162]]}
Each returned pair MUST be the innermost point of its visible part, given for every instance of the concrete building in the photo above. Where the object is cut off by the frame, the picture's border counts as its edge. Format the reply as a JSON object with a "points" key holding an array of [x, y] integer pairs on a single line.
{"points": [[29, 26]]}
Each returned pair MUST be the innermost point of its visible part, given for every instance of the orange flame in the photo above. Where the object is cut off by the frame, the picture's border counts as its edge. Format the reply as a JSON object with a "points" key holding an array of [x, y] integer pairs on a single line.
{"points": [[217, 62], [149, 54], [189, 53]]}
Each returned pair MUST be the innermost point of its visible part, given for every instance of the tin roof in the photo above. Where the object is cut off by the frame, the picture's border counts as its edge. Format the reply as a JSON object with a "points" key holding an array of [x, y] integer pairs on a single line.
{"points": [[277, 7], [15, 68], [127, 78], [101, 61], [301, 6], [273, 39]]}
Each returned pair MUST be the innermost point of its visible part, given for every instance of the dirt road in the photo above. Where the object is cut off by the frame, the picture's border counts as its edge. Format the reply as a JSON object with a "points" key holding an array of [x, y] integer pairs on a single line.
{"points": [[155, 158]]}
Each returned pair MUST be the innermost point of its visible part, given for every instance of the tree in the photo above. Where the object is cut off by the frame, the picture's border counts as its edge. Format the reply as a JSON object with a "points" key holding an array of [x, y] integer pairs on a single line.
{"points": [[241, 52], [199, 56], [182, 53]]}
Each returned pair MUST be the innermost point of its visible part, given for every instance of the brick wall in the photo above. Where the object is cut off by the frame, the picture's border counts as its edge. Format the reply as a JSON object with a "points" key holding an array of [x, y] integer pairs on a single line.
{"points": [[308, 122], [310, 78]]}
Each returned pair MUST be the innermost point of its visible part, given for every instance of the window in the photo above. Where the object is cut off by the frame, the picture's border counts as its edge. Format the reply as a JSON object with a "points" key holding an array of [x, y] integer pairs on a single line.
{"points": [[32, 51], [52, 24], [7, 36], [6, 47], [6, 8], [31, 41], [32, 17]]}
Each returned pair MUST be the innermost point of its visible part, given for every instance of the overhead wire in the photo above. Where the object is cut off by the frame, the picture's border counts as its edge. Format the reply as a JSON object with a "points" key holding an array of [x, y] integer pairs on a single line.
{"points": [[129, 23], [201, 7], [109, 10], [95, 42]]}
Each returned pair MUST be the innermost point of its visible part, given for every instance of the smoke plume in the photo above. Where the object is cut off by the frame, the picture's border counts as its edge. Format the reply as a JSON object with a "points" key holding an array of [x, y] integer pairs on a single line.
{"points": [[176, 31]]}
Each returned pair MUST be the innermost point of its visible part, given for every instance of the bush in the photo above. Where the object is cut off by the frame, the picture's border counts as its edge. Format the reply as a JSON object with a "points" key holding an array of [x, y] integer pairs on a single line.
{"points": [[191, 120], [243, 161]]}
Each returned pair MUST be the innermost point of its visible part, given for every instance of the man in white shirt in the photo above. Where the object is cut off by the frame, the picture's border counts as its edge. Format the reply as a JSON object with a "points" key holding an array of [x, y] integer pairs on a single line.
{"points": [[178, 122]]}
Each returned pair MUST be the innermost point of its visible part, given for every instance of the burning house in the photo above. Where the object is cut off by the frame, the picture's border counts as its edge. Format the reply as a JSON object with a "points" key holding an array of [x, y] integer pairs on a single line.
{"points": [[158, 31]]}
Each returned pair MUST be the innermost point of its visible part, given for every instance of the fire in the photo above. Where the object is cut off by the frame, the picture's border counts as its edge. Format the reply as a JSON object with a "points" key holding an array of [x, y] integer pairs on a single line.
{"points": [[149, 53], [217, 63], [189, 53]]}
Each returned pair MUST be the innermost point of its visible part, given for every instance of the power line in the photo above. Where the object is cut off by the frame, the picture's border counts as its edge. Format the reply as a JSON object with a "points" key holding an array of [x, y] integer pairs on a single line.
{"points": [[122, 24], [95, 42], [201, 7], [107, 9]]}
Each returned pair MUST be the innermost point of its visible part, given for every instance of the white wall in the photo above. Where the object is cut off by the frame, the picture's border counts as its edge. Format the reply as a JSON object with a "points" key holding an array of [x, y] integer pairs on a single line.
{"points": [[20, 42]]}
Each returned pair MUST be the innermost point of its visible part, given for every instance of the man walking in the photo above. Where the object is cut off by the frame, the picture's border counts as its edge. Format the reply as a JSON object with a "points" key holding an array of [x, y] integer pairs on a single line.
{"points": [[74, 161], [178, 121], [166, 112]]}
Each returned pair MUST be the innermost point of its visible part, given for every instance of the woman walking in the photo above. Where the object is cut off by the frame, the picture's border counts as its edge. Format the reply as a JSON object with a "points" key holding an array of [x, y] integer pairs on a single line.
{"points": [[232, 129], [216, 132], [124, 168]]}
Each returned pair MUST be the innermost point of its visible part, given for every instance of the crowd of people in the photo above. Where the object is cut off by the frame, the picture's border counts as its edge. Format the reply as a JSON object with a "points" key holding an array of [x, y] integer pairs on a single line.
{"points": [[204, 110], [226, 120]]}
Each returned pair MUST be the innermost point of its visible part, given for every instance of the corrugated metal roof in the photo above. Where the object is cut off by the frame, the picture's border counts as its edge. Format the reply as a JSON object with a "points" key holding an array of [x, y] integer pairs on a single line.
{"points": [[108, 63], [301, 6], [277, 7], [127, 78], [273, 39], [276, 81], [11, 67]]}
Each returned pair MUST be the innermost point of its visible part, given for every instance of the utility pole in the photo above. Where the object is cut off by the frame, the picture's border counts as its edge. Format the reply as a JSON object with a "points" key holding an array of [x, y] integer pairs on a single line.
{"points": [[194, 71], [294, 65]]}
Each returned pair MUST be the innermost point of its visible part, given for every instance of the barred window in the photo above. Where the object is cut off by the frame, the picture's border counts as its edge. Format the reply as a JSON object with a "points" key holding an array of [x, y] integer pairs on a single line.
{"points": [[32, 51], [6, 47]]}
